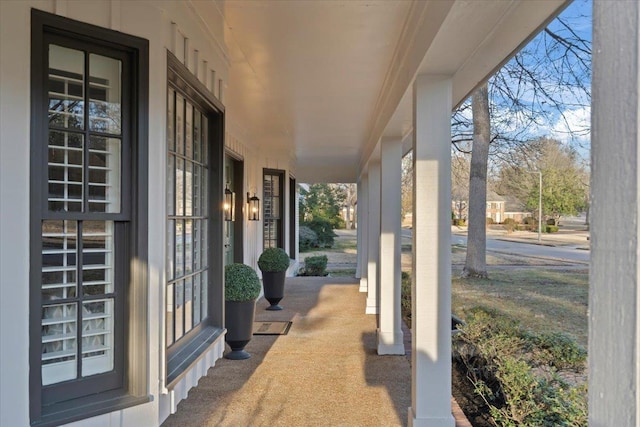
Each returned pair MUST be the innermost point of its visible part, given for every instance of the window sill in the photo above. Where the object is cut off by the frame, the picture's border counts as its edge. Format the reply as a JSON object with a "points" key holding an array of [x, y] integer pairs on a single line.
{"points": [[188, 355], [86, 407]]}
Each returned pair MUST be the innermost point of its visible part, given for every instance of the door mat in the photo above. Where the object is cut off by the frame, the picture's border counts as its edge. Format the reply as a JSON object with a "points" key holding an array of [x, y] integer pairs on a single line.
{"points": [[271, 328]]}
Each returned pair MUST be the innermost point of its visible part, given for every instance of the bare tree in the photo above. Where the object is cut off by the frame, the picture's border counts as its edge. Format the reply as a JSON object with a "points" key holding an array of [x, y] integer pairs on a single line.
{"points": [[350, 201], [460, 165], [539, 88], [476, 263], [407, 184]]}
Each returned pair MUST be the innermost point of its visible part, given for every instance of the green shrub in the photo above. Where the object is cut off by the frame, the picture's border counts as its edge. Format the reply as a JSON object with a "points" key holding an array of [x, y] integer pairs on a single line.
{"points": [[273, 260], [241, 283], [490, 221], [308, 238], [558, 350], [405, 297], [339, 223], [517, 372], [324, 231], [460, 222], [315, 266], [551, 229], [509, 224]]}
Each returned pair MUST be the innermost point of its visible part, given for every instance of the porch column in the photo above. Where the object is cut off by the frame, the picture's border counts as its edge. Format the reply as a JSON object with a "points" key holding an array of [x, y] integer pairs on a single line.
{"points": [[431, 278], [358, 231], [390, 337], [614, 321], [363, 230], [373, 241]]}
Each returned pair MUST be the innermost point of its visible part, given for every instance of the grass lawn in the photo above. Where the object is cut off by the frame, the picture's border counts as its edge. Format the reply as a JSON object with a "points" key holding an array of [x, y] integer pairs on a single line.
{"points": [[543, 300]]}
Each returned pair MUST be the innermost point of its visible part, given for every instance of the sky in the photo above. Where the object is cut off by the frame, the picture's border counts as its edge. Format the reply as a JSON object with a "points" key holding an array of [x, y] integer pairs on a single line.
{"points": [[568, 118], [579, 15]]}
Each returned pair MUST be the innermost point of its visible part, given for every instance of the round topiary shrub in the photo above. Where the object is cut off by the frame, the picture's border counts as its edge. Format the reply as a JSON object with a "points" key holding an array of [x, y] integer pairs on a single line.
{"points": [[241, 283], [273, 260]]}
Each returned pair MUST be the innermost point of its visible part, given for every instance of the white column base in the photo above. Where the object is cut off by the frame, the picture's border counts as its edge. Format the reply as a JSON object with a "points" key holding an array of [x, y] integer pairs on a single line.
{"points": [[364, 287], [372, 306], [430, 422], [390, 343]]}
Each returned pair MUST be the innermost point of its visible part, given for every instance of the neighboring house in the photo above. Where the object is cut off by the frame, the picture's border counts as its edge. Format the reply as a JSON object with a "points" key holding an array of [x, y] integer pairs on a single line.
{"points": [[515, 209], [123, 122], [495, 207]]}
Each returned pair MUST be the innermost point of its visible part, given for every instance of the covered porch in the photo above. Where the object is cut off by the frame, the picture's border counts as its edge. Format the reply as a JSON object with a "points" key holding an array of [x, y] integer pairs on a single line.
{"points": [[326, 91]]}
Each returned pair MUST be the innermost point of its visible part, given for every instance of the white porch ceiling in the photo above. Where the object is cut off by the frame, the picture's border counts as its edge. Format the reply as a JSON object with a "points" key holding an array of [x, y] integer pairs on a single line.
{"points": [[325, 80]]}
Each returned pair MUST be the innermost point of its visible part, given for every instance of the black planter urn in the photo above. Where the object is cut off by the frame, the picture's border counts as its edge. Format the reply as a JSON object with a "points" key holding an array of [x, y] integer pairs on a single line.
{"points": [[273, 282], [238, 317]]}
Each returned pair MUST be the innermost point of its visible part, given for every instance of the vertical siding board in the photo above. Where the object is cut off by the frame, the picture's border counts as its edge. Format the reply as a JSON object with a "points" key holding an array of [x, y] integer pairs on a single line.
{"points": [[172, 26]]}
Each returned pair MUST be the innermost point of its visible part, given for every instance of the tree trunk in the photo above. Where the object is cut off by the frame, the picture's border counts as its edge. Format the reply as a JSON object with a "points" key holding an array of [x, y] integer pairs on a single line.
{"points": [[476, 261]]}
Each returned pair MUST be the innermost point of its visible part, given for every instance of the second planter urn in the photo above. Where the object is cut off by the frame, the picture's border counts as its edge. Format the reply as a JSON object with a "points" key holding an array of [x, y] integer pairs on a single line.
{"points": [[273, 263]]}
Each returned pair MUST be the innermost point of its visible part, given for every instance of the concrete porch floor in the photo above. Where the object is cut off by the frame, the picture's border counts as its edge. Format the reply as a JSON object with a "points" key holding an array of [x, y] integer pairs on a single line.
{"points": [[325, 372]]}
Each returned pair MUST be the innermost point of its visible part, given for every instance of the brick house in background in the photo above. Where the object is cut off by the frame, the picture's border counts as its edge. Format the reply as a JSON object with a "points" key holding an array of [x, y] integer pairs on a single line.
{"points": [[495, 207]]}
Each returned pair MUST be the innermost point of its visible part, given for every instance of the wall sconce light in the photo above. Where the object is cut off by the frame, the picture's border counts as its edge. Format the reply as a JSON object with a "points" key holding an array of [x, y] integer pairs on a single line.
{"points": [[229, 204], [254, 207]]}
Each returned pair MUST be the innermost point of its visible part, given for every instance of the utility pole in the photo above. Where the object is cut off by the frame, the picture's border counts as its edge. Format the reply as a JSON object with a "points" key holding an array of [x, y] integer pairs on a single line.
{"points": [[540, 207], [539, 204]]}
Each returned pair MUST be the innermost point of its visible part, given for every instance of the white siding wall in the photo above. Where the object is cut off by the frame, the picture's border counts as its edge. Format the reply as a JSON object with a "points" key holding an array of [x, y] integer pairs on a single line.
{"points": [[14, 214], [194, 32]]}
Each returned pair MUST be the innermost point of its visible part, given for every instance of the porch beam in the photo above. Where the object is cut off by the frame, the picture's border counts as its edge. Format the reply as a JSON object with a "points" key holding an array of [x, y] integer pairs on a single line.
{"points": [[373, 239], [614, 321], [390, 336], [431, 278]]}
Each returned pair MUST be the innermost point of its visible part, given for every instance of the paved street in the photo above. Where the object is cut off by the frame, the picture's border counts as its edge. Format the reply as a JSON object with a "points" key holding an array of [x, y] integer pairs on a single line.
{"points": [[567, 246], [570, 253]]}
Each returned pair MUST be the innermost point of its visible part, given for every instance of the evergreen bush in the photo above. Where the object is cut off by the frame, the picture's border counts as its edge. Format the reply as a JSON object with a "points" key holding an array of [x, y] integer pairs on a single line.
{"points": [[308, 238], [405, 297], [315, 266], [510, 224], [519, 374], [324, 231]]}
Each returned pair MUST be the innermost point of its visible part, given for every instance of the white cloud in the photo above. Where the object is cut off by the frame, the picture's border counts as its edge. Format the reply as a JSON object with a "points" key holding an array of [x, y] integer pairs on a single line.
{"points": [[575, 126]]}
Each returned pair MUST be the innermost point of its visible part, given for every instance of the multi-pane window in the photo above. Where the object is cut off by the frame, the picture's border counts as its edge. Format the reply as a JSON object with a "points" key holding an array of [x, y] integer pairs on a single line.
{"points": [[84, 161], [88, 210], [74, 253], [188, 216], [273, 208], [83, 220]]}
